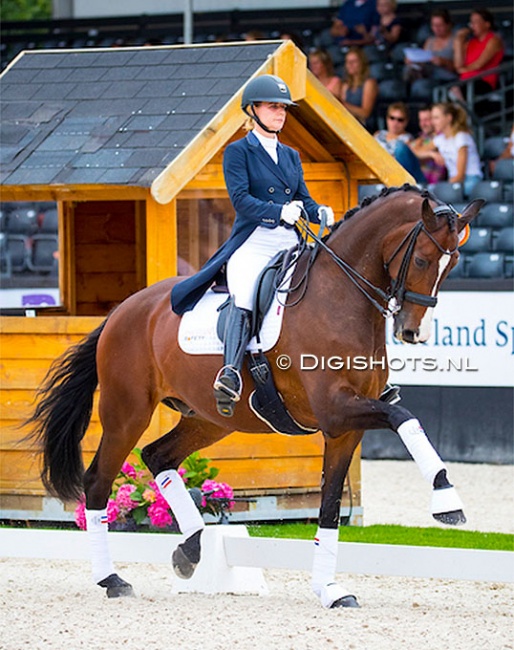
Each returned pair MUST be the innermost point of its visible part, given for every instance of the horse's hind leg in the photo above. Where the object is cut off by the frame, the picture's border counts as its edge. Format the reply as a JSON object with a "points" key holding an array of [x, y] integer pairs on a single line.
{"points": [[163, 458], [125, 414]]}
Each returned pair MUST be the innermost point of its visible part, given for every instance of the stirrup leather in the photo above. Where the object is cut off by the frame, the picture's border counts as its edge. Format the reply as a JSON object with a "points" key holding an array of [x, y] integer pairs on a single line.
{"points": [[218, 385]]}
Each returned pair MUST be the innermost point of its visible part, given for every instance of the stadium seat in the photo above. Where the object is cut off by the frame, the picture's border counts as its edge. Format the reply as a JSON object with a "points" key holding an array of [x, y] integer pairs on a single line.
{"points": [[490, 190], [486, 265], [496, 215], [5, 257], [18, 247], [49, 222], [447, 191], [42, 258], [392, 90], [421, 90], [369, 190], [504, 169], [479, 241], [22, 220], [504, 241], [493, 146], [381, 70], [459, 270]]}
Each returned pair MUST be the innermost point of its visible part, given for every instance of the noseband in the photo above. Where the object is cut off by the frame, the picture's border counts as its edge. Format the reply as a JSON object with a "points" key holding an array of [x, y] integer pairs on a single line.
{"points": [[398, 291]]}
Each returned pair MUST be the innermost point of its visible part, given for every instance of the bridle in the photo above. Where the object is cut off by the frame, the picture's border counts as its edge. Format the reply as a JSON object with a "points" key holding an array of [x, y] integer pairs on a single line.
{"points": [[398, 293]]}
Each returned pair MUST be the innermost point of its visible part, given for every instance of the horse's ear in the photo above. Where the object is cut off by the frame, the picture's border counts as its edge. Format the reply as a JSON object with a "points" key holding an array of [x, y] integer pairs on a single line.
{"points": [[428, 216], [469, 213]]}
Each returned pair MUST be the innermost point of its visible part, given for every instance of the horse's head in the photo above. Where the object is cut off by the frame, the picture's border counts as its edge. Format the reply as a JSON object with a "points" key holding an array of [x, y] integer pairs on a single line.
{"points": [[418, 262]]}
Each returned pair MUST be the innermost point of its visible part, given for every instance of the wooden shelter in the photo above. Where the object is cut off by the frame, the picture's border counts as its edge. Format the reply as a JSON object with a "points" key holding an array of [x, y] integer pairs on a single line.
{"points": [[129, 143]]}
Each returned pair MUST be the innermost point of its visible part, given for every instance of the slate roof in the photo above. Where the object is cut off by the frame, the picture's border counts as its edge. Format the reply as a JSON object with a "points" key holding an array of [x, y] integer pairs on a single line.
{"points": [[113, 116]]}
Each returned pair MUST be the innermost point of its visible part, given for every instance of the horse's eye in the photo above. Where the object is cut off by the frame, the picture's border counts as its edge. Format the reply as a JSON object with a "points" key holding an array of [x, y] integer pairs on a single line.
{"points": [[421, 264]]}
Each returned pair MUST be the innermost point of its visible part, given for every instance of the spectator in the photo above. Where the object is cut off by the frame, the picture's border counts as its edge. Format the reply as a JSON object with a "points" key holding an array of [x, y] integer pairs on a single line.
{"points": [[354, 21], [322, 67], [454, 145], [423, 147], [508, 152], [389, 28], [395, 140], [442, 47], [478, 49], [293, 36], [359, 91]]}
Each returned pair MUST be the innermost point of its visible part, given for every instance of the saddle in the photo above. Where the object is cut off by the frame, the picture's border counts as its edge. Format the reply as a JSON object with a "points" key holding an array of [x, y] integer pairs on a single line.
{"points": [[265, 401]]}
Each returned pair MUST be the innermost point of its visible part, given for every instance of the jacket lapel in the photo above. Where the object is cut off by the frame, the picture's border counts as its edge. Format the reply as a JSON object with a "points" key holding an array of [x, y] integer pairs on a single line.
{"points": [[265, 158]]}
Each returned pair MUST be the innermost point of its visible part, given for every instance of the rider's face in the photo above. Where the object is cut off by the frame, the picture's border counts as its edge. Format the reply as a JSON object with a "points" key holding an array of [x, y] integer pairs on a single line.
{"points": [[273, 115]]}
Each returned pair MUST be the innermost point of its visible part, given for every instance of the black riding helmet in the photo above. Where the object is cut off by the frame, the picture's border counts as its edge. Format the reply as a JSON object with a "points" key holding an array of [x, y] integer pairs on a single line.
{"points": [[266, 88]]}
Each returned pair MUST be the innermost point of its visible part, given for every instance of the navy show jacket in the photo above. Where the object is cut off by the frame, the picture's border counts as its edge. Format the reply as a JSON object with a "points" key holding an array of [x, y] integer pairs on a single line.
{"points": [[258, 188]]}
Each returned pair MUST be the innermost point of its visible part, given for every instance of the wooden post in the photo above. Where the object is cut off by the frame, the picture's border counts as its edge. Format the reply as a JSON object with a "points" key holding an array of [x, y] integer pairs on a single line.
{"points": [[161, 240]]}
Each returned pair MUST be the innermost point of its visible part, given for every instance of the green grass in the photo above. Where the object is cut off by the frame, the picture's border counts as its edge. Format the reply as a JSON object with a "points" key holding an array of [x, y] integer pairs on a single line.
{"points": [[446, 537]]}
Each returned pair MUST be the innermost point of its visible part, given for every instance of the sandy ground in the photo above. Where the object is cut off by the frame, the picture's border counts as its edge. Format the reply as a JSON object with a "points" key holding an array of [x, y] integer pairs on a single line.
{"points": [[53, 605]]}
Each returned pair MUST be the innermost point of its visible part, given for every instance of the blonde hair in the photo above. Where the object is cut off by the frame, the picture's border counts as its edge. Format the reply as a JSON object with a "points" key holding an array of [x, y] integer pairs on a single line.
{"points": [[458, 115], [354, 81]]}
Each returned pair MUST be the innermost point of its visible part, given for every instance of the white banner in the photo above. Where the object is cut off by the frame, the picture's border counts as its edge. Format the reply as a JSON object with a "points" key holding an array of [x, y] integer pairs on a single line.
{"points": [[472, 343]]}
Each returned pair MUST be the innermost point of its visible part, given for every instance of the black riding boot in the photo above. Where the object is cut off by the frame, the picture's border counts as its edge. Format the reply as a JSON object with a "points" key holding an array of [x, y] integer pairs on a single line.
{"points": [[228, 383]]}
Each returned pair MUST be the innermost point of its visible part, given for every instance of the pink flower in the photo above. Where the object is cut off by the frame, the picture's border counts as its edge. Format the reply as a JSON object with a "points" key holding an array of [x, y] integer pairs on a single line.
{"points": [[159, 516], [112, 510], [216, 490], [123, 499], [149, 496], [181, 472], [80, 513], [128, 470]]}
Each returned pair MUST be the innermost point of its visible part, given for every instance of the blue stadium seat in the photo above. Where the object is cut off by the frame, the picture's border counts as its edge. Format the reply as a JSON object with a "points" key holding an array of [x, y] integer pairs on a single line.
{"points": [[460, 269], [490, 190], [479, 240], [486, 265], [369, 190], [504, 241], [496, 215], [18, 247], [447, 191], [421, 89], [493, 146], [49, 222], [42, 257], [504, 169], [392, 90], [22, 220]]}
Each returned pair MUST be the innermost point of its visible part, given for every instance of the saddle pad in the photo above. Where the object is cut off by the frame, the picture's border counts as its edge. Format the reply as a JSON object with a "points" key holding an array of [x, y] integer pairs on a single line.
{"points": [[197, 329]]}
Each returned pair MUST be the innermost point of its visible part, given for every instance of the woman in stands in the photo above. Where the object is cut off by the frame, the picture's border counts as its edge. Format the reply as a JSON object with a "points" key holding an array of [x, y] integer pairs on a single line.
{"points": [[359, 91], [322, 67], [454, 145], [389, 30], [265, 183], [477, 50]]}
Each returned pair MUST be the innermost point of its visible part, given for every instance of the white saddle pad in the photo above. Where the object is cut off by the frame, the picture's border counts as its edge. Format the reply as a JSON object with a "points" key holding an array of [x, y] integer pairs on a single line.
{"points": [[197, 329]]}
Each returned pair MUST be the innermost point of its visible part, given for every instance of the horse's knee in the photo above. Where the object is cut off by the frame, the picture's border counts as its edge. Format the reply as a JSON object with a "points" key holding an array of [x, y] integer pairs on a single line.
{"points": [[154, 458], [96, 490]]}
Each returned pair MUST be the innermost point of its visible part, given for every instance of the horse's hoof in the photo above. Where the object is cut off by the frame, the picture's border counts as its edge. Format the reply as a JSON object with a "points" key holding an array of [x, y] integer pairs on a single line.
{"points": [[345, 601], [116, 587], [182, 565], [452, 518]]}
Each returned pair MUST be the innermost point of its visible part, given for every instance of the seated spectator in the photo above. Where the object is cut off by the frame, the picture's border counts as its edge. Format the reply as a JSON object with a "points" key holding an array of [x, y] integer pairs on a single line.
{"points": [[478, 49], [507, 153], [322, 67], [354, 21], [423, 146], [389, 28], [395, 140], [359, 91], [454, 145], [441, 45]]}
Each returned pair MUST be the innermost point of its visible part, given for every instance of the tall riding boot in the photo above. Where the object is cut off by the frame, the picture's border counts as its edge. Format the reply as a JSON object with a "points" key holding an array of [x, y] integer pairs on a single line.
{"points": [[228, 383]]}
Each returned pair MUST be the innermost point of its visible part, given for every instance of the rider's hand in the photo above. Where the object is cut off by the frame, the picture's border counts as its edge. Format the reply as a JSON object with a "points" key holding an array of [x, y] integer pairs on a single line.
{"points": [[291, 212], [329, 212]]}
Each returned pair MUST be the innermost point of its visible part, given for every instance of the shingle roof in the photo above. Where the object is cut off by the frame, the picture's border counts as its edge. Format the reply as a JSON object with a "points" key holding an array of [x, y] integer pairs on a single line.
{"points": [[113, 116]]}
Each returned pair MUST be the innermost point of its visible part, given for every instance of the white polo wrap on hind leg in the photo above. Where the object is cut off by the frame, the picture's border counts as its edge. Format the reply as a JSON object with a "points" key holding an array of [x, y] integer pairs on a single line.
{"points": [[97, 529], [173, 489], [324, 567]]}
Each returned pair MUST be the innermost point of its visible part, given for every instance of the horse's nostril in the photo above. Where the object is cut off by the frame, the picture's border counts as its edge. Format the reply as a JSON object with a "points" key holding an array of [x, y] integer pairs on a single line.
{"points": [[409, 336]]}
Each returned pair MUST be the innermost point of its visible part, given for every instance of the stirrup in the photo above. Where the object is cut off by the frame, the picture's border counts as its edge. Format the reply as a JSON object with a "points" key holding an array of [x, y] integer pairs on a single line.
{"points": [[219, 385]]}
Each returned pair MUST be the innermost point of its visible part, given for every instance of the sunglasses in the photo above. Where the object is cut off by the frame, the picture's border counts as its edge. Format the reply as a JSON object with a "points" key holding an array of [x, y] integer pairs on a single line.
{"points": [[395, 118]]}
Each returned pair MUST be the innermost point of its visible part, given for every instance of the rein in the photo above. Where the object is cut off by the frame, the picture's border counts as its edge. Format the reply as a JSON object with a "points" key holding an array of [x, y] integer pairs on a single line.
{"points": [[398, 293]]}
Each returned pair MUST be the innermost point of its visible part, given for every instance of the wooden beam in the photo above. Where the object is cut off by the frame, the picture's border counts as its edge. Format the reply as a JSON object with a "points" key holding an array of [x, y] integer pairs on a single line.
{"points": [[72, 193], [290, 64], [161, 240]]}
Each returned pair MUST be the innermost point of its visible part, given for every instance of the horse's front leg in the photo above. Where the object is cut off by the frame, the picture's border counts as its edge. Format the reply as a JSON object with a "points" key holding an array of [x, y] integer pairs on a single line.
{"points": [[366, 413], [336, 462]]}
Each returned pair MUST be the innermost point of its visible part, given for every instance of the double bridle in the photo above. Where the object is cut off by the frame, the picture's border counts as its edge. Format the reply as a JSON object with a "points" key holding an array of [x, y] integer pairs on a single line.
{"points": [[398, 293]]}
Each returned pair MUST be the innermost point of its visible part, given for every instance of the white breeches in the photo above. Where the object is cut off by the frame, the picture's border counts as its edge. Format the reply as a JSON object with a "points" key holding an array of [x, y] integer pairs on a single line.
{"points": [[245, 265]]}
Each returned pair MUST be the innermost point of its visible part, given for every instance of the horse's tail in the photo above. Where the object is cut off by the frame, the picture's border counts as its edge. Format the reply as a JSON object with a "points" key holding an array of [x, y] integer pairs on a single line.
{"points": [[62, 416]]}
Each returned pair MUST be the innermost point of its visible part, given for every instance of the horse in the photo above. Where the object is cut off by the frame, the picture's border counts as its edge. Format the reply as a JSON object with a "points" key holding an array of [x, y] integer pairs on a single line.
{"points": [[387, 257]]}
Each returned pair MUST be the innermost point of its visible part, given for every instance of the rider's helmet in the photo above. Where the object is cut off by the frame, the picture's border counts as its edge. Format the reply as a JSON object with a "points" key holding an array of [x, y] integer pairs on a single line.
{"points": [[266, 88]]}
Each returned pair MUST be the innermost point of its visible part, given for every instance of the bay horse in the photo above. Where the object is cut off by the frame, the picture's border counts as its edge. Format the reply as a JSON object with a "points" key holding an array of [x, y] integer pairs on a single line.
{"points": [[387, 257]]}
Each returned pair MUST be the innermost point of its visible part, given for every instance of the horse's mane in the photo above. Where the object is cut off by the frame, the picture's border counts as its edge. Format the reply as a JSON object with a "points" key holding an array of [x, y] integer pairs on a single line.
{"points": [[386, 191]]}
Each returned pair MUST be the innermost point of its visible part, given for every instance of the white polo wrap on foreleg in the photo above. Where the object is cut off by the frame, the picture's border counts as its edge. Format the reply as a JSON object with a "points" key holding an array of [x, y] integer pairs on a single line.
{"points": [[173, 489], [425, 456], [97, 530], [324, 567]]}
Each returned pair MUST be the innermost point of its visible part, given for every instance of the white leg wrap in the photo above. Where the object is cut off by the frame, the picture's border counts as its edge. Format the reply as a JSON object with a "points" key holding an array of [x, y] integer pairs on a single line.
{"points": [[420, 448], [445, 500], [97, 529], [324, 567], [182, 505]]}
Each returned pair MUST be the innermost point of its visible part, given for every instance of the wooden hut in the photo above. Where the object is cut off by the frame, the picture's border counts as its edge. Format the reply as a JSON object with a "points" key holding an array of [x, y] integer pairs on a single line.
{"points": [[129, 143]]}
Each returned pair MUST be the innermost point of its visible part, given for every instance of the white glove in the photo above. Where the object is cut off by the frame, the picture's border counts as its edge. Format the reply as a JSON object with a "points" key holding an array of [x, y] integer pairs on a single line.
{"points": [[329, 212], [291, 212]]}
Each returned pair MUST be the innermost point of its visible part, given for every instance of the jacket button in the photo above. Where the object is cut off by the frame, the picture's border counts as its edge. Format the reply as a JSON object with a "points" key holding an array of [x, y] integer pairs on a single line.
{"points": [[287, 190], [271, 190], [270, 202]]}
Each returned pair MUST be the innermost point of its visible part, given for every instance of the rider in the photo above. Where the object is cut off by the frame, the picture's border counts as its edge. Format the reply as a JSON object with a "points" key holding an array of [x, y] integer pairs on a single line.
{"points": [[265, 183]]}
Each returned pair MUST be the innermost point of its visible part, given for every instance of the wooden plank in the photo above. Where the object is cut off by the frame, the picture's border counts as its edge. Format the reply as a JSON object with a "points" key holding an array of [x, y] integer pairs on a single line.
{"points": [[101, 287], [18, 373], [105, 258], [52, 325], [161, 240], [72, 193], [31, 346]]}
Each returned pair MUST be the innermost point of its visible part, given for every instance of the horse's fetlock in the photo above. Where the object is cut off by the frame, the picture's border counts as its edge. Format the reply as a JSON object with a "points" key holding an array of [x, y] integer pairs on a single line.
{"points": [[192, 547]]}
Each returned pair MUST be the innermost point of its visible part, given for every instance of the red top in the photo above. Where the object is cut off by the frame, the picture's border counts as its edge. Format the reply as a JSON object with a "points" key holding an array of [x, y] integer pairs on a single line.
{"points": [[473, 51]]}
